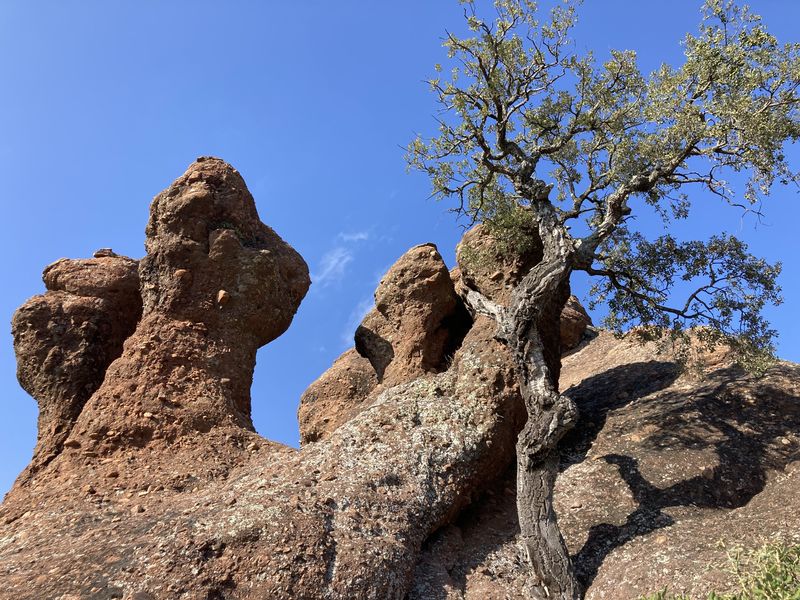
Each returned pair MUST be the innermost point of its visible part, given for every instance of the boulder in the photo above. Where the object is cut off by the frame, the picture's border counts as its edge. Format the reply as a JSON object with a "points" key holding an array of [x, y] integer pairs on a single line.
{"points": [[573, 324], [491, 268]]}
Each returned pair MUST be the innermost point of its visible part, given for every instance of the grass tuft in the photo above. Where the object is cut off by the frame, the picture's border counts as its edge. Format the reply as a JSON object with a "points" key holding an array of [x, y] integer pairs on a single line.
{"points": [[771, 572]]}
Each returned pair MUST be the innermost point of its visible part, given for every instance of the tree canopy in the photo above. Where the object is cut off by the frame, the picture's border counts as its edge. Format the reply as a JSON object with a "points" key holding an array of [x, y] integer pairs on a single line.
{"points": [[532, 131]]}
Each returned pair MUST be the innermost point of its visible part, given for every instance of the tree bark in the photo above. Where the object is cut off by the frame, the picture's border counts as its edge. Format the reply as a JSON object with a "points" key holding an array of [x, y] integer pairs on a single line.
{"points": [[541, 536], [550, 416], [531, 329]]}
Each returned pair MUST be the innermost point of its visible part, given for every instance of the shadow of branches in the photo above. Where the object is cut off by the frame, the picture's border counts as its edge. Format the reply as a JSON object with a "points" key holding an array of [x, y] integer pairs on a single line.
{"points": [[730, 415]]}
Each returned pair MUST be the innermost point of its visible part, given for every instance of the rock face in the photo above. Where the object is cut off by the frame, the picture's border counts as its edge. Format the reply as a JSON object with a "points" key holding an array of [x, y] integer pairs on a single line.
{"points": [[336, 397], [152, 483], [66, 338], [661, 475], [491, 268], [416, 326], [414, 330], [418, 319], [574, 322], [491, 271], [163, 489]]}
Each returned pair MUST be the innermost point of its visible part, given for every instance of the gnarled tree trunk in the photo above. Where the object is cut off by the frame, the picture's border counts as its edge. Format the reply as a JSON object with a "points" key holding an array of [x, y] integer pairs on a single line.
{"points": [[550, 416], [530, 327]]}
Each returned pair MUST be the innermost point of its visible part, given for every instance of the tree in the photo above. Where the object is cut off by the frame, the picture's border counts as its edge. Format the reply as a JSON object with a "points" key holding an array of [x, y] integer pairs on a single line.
{"points": [[551, 150]]}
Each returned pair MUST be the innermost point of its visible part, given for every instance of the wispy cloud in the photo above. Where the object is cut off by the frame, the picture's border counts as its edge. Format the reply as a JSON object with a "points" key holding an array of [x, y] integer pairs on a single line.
{"points": [[354, 320], [332, 266], [358, 236]]}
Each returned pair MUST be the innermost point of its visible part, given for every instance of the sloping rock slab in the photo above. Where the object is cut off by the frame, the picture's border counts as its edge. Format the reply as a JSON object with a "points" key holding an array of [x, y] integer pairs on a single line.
{"points": [[663, 473]]}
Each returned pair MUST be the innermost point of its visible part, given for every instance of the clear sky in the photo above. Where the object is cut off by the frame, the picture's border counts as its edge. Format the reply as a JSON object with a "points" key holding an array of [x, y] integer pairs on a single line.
{"points": [[104, 103]]}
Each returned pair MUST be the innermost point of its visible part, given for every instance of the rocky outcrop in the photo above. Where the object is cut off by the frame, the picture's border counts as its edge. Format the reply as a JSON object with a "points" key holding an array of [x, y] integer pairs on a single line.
{"points": [[216, 284], [336, 397], [662, 474], [342, 519], [490, 268], [395, 345], [418, 320], [66, 338], [161, 488], [414, 330]]}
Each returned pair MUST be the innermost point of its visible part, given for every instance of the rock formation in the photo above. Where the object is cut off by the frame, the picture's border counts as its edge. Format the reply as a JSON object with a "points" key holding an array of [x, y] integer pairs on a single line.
{"points": [[149, 482], [418, 320], [394, 346], [66, 338], [415, 328], [663, 474], [163, 489], [336, 397]]}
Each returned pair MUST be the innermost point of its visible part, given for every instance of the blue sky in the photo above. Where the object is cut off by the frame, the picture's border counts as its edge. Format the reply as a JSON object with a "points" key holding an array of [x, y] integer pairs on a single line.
{"points": [[104, 103]]}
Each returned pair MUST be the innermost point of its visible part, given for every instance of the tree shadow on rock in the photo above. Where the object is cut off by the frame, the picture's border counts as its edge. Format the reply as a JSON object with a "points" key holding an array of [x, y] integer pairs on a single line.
{"points": [[491, 522], [736, 418], [610, 390]]}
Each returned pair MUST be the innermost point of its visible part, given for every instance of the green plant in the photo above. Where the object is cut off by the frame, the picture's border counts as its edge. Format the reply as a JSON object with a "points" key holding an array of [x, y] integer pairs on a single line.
{"points": [[771, 572]]}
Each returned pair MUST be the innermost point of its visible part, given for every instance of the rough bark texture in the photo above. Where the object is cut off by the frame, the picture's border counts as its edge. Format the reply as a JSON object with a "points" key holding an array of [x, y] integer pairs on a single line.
{"points": [[527, 327]]}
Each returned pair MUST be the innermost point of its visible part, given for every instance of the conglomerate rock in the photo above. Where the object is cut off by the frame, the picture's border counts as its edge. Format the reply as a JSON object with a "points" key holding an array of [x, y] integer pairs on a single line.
{"points": [[65, 339], [573, 324], [414, 330], [418, 319], [401, 345], [336, 397], [344, 518], [161, 488], [216, 285], [351, 384], [490, 267]]}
